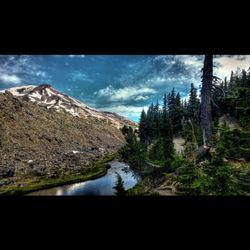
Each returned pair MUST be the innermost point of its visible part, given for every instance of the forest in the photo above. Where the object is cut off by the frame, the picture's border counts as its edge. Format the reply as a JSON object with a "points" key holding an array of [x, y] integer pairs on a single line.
{"points": [[214, 125]]}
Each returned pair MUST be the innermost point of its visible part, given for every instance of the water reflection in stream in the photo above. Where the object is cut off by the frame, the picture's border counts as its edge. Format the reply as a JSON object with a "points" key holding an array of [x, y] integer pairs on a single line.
{"points": [[101, 186]]}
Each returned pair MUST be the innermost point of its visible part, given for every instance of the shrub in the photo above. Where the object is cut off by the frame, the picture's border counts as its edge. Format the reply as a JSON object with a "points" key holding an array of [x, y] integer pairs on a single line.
{"points": [[119, 186]]}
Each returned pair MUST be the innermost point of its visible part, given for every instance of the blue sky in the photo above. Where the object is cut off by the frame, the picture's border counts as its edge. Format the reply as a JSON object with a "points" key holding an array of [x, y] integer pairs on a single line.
{"points": [[118, 83]]}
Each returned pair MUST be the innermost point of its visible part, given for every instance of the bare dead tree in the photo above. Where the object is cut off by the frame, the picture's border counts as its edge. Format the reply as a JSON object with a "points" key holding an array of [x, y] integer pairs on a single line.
{"points": [[206, 100]]}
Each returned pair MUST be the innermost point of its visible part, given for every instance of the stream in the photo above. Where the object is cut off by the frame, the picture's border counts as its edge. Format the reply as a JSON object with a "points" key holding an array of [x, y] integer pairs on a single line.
{"points": [[100, 186]]}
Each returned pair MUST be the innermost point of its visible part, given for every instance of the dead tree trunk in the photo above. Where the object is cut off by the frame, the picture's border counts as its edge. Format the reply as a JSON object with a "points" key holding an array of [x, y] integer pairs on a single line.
{"points": [[206, 99]]}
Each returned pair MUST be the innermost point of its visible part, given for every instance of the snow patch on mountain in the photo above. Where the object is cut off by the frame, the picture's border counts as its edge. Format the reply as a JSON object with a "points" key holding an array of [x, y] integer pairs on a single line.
{"points": [[45, 95]]}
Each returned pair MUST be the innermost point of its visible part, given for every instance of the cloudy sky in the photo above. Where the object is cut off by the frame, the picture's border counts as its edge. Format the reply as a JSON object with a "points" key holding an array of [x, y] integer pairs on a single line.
{"points": [[119, 83]]}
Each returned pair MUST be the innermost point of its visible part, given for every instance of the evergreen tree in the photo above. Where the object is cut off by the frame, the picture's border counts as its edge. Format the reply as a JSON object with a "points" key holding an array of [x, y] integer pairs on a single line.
{"points": [[165, 103], [175, 110], [225, 87], [193, 104], [244, 78], [156, 120], [119, 186], [163, 148], [143, 128], [248, 78], [133, 152], [150, 123], [178, 113], [178, 100], [231, 81], [171, 103]]}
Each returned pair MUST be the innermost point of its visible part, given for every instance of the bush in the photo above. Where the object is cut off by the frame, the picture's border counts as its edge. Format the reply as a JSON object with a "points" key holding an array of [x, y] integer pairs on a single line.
{"points": [[133, 152], [207, 180], [119, 186], [236, 143], [162, 153]]}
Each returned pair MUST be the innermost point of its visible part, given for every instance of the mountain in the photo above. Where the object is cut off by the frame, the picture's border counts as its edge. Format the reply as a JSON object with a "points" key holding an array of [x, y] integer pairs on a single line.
{"points": [[44, 95], [46, 133]]}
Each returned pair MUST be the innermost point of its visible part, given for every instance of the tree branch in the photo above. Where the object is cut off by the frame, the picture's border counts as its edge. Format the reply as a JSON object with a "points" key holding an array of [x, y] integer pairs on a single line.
{"points": [[215, 103], [219, 88]]}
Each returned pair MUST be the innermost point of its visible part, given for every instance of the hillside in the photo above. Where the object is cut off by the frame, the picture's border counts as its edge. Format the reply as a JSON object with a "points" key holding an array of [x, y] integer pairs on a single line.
{"points": [[45, 133]]}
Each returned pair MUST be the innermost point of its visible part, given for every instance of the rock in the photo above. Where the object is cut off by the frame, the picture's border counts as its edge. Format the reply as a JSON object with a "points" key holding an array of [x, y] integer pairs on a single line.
{"points": [[102, 150], [29, 112], [52, 175], [39, 170], [89, 149], [22, 185], [6, 182], [202, 153], [20, 154], [7, 172], [108, 165]]}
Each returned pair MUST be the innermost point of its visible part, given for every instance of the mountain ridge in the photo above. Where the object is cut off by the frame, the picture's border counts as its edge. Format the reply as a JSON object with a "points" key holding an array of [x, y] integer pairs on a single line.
{"points": [[41, 141], [47, 96]]}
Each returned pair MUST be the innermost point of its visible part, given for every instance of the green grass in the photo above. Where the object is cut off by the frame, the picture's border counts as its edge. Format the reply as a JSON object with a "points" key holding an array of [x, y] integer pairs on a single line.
{"points": [[99, 169]]}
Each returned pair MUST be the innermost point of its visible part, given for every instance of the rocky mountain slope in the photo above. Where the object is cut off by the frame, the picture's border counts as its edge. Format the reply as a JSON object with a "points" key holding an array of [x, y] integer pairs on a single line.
{"points": [[46, 133]]}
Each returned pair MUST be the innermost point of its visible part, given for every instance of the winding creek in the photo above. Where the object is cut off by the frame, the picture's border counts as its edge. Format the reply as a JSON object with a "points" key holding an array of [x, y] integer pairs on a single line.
{"points": [[101, 186]]}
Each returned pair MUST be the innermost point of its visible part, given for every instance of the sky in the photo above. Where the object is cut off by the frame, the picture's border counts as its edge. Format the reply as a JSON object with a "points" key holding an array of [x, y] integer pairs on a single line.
{"points": [[124, 84]]}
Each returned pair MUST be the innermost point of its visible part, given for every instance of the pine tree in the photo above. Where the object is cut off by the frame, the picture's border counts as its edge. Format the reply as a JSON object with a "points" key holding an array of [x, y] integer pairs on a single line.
{"points": [[165, 103], [150, 123], [143, 128], [175, 110], [171, 102], [156, 120], [248, 77], [167, 142], [163, 148], [225, 87], [133, 152], [193, 104], [119, 186], [178, 113], [231, 81], [178, 100], [244, 78]]}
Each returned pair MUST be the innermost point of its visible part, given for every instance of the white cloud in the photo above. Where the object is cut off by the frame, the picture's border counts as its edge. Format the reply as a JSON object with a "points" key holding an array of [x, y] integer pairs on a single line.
{"points": [[41, 73], [141, 98], [10, 79], [227, 64], [22, 67], [124, 109], [77, 75], [76, 56], [189, 60], [132, 112], [126, 93]]}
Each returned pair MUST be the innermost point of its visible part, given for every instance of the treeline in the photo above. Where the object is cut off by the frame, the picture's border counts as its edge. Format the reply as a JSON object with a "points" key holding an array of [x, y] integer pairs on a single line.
{"points": [[233, 97], [172, 115], [214, 174], [175, 117], [159, 125]]}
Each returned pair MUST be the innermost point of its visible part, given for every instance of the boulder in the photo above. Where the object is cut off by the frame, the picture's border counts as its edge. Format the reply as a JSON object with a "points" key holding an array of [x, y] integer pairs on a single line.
{"points": [[203, 153], [6, 172], [5, 182], [39, 170]]}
